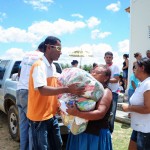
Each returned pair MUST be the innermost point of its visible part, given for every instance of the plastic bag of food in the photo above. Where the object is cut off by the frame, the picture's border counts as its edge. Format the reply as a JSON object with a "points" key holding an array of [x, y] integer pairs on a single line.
{"points": [[93, 92], [93, 89], [75, 124], [78, 128], [86, 104]]}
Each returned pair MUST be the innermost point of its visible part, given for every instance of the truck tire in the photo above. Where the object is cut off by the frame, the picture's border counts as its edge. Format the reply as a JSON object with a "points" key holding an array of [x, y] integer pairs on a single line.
{"points": [[13, 123]]}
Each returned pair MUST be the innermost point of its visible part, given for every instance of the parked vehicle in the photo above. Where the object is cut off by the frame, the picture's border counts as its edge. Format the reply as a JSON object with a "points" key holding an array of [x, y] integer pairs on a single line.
{"points": [[8, 95]]}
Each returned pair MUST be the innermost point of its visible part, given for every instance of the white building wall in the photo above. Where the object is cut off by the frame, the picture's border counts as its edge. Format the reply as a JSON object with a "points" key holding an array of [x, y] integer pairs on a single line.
{"points": [[139, 29]]}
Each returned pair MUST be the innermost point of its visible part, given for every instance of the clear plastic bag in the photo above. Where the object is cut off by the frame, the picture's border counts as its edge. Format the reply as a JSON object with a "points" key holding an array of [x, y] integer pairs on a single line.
{"points": [[75, 124]]}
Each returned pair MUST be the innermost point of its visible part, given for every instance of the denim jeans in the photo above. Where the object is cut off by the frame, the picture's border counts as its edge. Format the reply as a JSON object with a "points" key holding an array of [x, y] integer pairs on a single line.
{"points": [[134, 136], [142, 140], [113, 110], [130, 93], [25, 129], [125, 74], [46, 134]]}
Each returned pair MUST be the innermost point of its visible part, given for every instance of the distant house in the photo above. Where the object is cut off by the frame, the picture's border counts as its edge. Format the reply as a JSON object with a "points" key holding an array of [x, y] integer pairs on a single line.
{"points": [[139, 28]]}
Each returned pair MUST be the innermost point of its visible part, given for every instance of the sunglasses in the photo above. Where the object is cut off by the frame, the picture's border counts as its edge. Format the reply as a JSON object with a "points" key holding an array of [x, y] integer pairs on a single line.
{"points": [[58, 48]]}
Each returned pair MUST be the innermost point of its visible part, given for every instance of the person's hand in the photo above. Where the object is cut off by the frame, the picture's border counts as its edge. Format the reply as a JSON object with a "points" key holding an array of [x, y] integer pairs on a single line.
{"points": [[125, 107], [75, 89], [72, 110], [59, 111]]}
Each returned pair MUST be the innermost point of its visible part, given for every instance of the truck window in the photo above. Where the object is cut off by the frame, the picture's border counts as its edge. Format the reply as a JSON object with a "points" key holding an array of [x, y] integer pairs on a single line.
{"points": [[58, 68], [3, 65], [15, 68]]}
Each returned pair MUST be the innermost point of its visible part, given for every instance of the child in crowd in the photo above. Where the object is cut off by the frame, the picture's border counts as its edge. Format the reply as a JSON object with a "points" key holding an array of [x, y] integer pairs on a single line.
{"points": [[121, 84], [121, 89]]}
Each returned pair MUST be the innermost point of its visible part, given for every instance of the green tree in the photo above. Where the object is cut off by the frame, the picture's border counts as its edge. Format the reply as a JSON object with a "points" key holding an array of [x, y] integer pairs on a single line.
{"points": [[65, 66], [87, 68]]}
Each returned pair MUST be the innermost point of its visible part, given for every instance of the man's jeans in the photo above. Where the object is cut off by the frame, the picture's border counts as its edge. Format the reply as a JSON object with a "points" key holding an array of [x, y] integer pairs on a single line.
{"points": [[46, 134], [25, 129], [113, 110]]}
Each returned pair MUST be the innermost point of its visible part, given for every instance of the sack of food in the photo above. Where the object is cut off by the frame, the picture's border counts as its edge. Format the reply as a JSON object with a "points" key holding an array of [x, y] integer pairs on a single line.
{"points": [[93, 88], [75, 124], [78, 128], [84, 104]]}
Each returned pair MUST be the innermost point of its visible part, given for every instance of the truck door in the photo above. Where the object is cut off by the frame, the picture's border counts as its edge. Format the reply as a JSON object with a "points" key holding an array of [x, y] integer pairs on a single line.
{"points": [[3, 65]]}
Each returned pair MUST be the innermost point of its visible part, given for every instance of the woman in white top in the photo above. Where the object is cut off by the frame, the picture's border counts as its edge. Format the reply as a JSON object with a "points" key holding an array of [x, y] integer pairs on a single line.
{"points": [[140, 108]]}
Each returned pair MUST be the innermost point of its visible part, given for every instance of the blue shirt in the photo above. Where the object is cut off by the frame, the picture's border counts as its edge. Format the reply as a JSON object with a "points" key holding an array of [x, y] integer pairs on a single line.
{"points": [[134, 79]]}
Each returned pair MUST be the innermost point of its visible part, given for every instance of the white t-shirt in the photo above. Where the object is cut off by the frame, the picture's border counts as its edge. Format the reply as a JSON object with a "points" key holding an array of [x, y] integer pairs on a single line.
{"points": [[42, 72], [140, 122], [26, 64], [120, 88], [114, 72]]}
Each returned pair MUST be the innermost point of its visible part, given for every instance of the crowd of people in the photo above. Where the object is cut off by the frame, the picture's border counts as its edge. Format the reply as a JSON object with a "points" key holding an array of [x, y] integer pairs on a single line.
{"points": [[38, 105], [138, 103], [139, 107]]}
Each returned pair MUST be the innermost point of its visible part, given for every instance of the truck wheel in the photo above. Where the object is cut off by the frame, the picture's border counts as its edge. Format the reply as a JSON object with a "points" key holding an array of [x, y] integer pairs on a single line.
{"points": [[13, 123]]}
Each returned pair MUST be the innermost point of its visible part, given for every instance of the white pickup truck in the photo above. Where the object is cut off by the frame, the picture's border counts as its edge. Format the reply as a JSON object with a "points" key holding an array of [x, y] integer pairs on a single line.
{"points": [[8, 95]]}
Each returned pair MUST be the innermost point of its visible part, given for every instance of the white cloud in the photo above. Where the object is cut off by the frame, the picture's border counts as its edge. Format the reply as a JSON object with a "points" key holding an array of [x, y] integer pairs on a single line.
{"points": [[2, 16], [39, 4], [114, 6], [77, 15], [37, 30], [123, 46], [58, 27], [97, 34], [13, 34], [13, 53], [93, 21], [98, 51]]}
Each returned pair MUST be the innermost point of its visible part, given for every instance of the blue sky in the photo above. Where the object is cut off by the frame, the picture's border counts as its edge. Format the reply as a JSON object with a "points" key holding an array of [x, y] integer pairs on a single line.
{"points": [[96, 26]]}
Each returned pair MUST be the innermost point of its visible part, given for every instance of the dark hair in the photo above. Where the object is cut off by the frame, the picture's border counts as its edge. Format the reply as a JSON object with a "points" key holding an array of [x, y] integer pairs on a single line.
{"points": [[146, 63], [41, 47], [126, 55], [74, 62], [109, 53], [120, 76], [94, 65], [134, 67], [107, 74], [136, 54], [148, 51], [52, 40]]}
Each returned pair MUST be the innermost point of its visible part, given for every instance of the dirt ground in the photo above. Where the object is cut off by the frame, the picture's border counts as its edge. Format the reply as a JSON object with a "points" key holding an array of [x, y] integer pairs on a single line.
{"points": [[6, 142]]}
